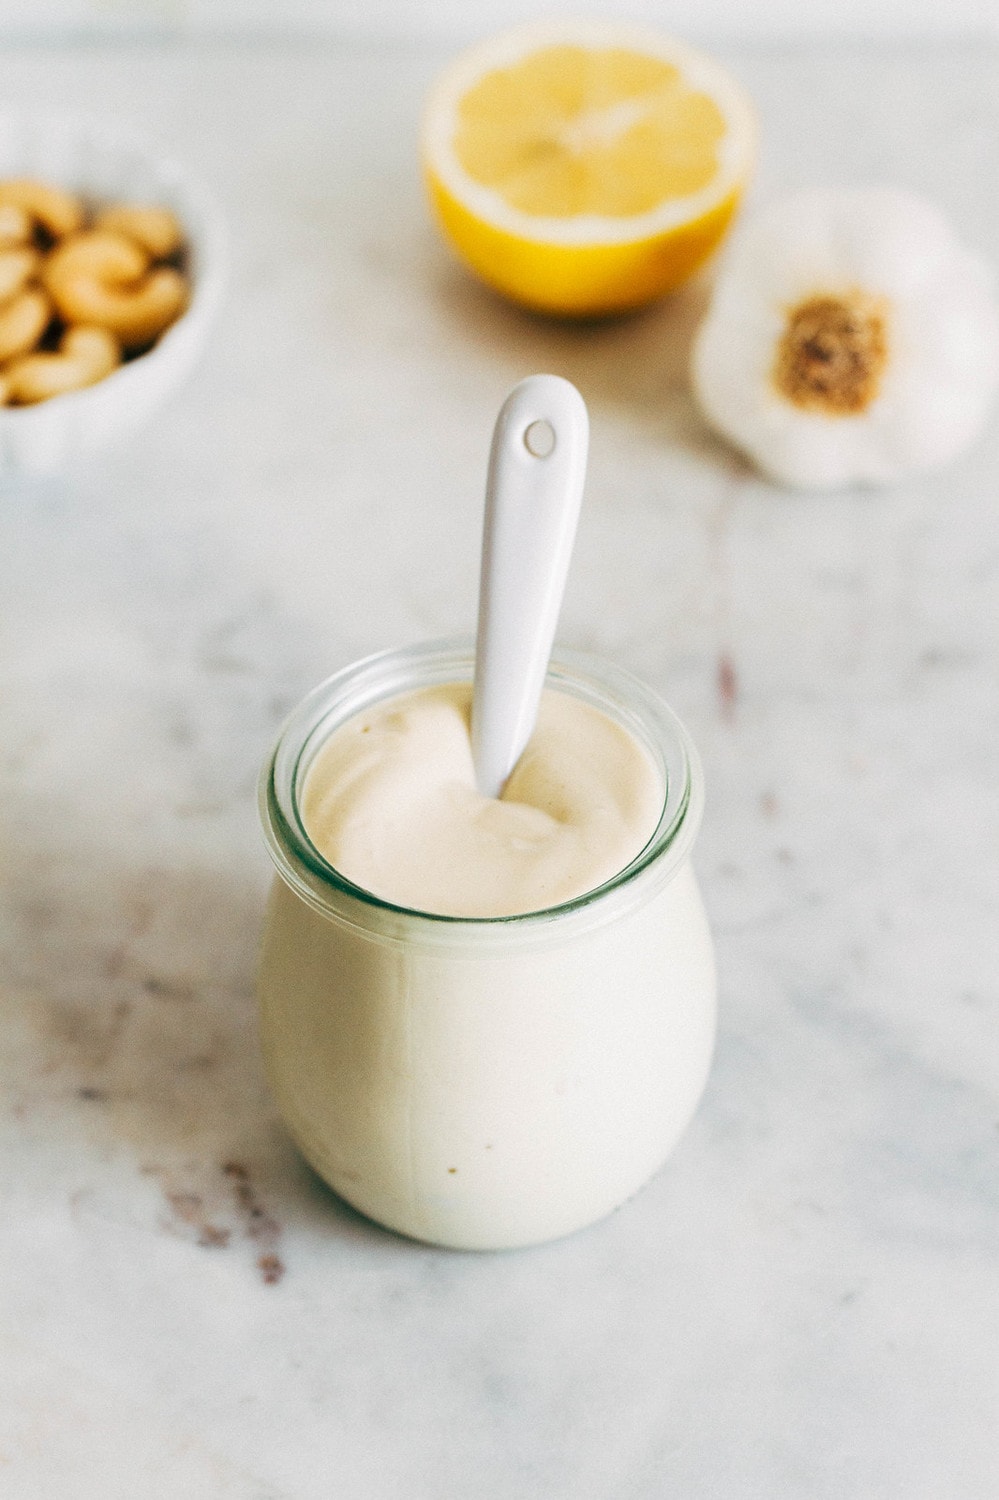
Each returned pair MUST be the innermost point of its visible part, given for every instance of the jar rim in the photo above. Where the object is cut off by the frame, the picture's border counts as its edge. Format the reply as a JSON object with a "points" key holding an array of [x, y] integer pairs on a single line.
{"points": [[387, 673]]}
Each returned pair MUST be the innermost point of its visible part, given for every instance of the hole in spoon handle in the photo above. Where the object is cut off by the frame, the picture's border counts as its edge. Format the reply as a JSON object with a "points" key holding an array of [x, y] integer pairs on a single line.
{"points": [[537, 466], [539, 439]]}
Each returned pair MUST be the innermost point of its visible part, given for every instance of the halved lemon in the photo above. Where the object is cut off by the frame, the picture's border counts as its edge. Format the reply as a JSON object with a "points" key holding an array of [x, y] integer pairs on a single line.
{"points": [[585, 167]]}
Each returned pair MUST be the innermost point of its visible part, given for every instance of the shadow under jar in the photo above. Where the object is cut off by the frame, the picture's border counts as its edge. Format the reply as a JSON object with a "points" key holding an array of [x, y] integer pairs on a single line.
{"points": [[486, 1083]]}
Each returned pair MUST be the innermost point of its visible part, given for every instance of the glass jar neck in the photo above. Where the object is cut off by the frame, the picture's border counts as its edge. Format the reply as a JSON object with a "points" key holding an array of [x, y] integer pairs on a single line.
{"points": [[606, 687]]}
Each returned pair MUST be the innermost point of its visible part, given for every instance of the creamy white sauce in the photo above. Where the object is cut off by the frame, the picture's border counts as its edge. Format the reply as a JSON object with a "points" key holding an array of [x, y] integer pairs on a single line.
{"points": [[390, 801], [486, 1100]]}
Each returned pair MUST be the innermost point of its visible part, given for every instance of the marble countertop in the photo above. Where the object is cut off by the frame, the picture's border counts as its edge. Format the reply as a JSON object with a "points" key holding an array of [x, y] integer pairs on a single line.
{"points": [[805, 1301]]}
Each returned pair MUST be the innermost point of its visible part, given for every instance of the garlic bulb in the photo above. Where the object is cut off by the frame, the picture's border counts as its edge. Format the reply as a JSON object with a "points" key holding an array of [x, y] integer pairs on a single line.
{"points": [[849, 338]]}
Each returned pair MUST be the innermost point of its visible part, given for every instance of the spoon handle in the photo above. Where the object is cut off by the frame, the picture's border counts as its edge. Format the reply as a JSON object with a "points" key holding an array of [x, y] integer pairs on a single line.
{"points": [[537, 465]]}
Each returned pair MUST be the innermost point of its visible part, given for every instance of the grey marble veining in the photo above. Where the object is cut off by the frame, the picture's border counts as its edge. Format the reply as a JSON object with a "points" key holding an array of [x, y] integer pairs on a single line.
{"points": [[804, 1304]]}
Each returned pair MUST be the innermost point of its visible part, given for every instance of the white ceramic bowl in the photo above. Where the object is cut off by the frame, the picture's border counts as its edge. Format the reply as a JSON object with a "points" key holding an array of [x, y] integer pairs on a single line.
{"points": [[87, 158]]}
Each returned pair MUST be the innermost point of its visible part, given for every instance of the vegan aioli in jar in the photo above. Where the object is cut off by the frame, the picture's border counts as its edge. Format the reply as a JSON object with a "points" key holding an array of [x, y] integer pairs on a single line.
{"points": [[484, 1033], [391, 802]]}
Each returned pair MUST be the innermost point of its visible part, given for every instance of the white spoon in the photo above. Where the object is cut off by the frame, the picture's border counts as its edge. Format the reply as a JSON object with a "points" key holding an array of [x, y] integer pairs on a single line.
{"points": [[537, 465]]}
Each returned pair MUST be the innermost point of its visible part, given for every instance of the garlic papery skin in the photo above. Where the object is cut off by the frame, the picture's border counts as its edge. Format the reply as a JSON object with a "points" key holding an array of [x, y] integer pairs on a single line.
{"points": [[850, 339]]}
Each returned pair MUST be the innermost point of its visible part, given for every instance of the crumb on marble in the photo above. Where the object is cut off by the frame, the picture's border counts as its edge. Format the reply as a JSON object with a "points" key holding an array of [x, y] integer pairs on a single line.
{"points": [[271, 1268], [728, 684], [212, 1237], [167, 989], [187, 1206], [188, 1210], [199, 1216], [258, 1224]]}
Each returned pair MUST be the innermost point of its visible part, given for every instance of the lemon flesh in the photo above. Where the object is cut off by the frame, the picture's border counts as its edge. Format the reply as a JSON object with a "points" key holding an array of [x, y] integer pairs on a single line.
{"points": [[572, 132]]}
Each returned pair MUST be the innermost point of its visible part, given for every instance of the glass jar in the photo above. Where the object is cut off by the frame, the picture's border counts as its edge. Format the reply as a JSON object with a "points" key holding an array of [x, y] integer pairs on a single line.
{"points": [[485, 1083]]}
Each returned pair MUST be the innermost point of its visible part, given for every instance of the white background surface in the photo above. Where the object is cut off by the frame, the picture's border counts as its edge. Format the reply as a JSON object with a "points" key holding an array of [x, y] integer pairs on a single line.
{"points": [[804, 1304], [695, 19]]}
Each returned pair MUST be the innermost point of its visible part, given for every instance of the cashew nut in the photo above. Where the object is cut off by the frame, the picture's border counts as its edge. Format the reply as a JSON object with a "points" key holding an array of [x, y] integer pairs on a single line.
{"points": [[97, 254], [23, 320], [57, 212], [100, 277], [16, 269], [84, 356], [155, 229], [15, 224]]}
